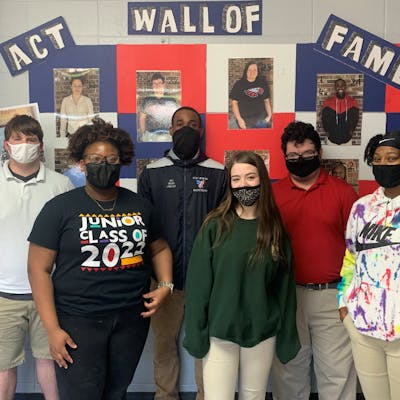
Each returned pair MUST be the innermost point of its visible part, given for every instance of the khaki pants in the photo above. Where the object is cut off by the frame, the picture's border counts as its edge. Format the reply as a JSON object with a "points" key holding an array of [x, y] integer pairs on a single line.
{"points": [[166, 324], [18, 319], [325, 345], [377, 363], [226, 361]]}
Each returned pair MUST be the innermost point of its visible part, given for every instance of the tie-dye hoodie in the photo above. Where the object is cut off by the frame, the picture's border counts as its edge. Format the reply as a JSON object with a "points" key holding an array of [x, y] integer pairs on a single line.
{"points": [[370, 285]]}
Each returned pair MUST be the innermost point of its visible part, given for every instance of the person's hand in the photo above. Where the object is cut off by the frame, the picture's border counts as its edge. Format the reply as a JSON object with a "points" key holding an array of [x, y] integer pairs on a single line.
{"points": [[154, 299], [241, 123], [268, 119], [343, 311], [58, 340]]}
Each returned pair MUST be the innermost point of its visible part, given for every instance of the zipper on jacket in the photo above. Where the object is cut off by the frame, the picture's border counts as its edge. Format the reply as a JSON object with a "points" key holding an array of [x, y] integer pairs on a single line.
{"points": [[184, 266]]}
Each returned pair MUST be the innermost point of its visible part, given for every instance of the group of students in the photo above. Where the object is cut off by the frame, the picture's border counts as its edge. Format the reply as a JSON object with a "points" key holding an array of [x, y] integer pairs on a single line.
{"points": [[253, 267]]}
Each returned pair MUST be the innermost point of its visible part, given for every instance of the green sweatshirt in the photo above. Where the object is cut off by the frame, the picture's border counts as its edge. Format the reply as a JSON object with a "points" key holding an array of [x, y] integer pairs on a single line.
{"points": [[230, 300]]}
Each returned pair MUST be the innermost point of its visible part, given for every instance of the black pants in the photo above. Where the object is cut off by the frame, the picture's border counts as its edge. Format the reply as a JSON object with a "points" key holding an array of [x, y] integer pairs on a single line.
{"points": [[108, 352]]}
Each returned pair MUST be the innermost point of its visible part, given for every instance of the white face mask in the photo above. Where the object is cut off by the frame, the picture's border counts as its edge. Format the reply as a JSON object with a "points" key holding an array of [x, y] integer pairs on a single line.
{"points": [[24, 153]]}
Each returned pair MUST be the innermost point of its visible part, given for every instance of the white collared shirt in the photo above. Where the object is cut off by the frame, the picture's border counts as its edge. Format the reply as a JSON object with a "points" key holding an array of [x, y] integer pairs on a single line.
{"points": [[20, 203]]}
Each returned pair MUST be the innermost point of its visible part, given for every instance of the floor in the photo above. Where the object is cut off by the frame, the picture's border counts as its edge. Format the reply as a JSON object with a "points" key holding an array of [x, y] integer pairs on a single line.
{"points": [[149, 396]]}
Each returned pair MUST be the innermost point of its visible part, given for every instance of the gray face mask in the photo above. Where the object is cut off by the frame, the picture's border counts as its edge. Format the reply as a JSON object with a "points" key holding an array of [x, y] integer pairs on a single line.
{"points": [[247, 195]]}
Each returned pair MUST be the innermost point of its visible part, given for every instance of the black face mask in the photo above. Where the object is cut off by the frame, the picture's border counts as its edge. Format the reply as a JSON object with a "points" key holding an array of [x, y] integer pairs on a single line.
{"points": [[103, 175], [387, 176], [186, 142], [247, 195], [303, 168]]}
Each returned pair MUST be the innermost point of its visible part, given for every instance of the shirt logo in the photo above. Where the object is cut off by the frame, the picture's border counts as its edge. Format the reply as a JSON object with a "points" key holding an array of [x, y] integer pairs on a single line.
{"points": [[171, 184], [254, 92], [200, 183], [379, 236]]}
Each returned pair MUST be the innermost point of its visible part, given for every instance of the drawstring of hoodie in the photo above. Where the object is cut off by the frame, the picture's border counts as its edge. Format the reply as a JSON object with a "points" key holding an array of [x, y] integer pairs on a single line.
{"points": [[336, 110]]}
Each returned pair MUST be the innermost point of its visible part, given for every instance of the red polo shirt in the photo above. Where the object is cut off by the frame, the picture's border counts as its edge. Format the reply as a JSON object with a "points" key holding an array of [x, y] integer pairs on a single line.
{"points": [[316, 221]]}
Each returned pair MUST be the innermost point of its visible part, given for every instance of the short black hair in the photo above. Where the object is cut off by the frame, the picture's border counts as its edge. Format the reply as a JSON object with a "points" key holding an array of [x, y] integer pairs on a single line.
{"points": [[298, 132], [101, 131], [157, 75], [25, 124], [190, 109], [340, 80]]}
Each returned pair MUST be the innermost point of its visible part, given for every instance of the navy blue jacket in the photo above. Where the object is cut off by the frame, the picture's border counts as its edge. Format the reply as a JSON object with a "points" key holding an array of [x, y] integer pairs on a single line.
{"points": [[183, 193]]}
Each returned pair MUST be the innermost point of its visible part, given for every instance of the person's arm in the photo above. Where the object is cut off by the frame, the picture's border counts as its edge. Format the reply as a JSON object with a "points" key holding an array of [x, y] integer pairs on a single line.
{"points": [[162, 264], [268, 109], [349, 262], [287, 339], [328, 117], [63, 118], [142, 122], [90, 111], [346, 273], [199, 282], [236, 113], [40, 265], [352, 117]]}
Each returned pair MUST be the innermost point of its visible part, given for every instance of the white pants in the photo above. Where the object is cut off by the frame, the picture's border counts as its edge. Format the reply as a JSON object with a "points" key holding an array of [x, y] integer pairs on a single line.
{"points": [[377, 363], [226, 360]]}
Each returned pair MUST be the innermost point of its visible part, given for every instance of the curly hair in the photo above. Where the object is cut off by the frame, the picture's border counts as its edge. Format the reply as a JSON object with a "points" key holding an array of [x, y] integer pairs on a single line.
{"points": [[298, 132], [101, 131]]}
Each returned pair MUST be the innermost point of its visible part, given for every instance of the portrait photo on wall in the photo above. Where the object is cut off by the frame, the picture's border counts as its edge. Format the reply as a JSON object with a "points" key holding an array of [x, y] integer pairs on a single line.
{"points": [[76, 98], [339, 108], [158, 95], [250, 93], [6, 113], [264, 154], [345, 169]]}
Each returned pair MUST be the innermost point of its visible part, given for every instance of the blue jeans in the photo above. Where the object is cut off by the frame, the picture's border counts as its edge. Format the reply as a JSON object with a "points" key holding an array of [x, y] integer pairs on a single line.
{"points": [[108, 352]]}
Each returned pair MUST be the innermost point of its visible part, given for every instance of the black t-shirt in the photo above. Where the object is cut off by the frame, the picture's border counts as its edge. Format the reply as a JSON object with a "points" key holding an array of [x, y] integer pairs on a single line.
{"points": [[103, 258], [250, 97]]}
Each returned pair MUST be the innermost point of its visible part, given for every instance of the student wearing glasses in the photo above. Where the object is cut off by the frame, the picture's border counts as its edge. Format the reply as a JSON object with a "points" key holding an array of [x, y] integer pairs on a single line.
{"points": [[104, 244], [314, 206]]}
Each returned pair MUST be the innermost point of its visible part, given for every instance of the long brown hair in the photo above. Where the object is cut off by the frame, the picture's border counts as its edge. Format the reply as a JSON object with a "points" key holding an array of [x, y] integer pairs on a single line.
{"points": [[271, 232]]}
